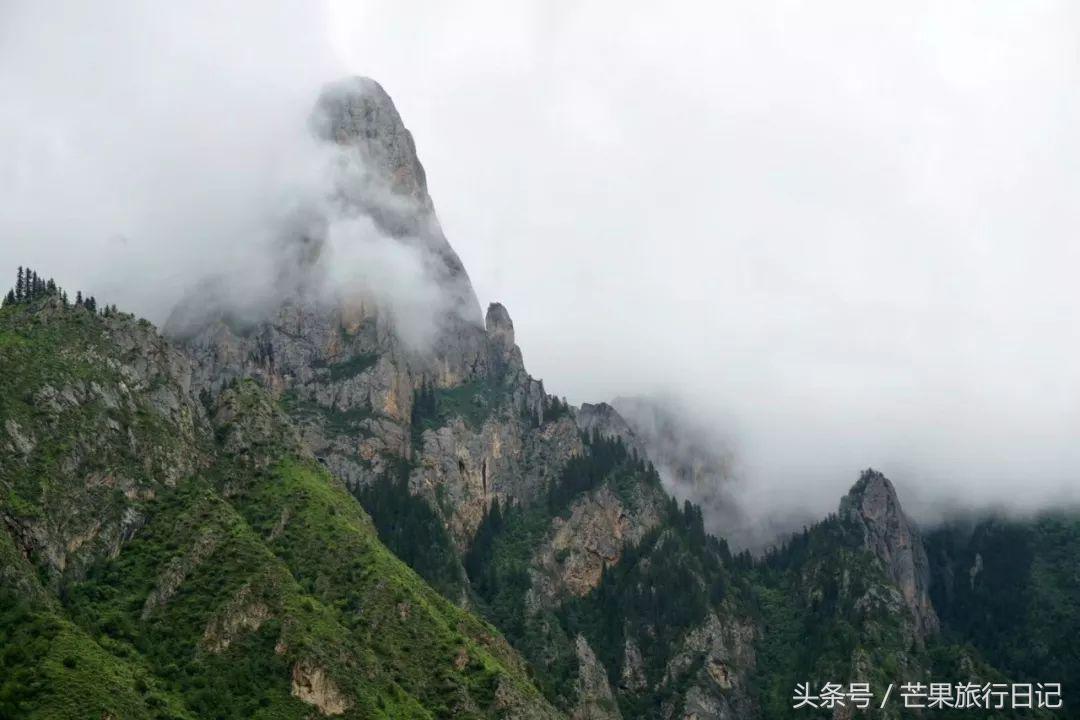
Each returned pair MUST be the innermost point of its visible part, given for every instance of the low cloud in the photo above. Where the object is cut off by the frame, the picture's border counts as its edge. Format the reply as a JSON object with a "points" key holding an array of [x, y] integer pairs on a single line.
{"points": [[178, 162]]}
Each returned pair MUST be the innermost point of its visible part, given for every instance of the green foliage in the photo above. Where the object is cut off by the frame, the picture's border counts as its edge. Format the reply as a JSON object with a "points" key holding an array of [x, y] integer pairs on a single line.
{"points": [[822, 600], [667, 583], [498, 561], [1010, 589], [226, 583], [50, 668], [30, 288], [199, 539], [348, 368], [473, 402], [60, 380], [605, 459], [330, 546], [661, 588], [553, 408], [425, 412], [412, 531], [340, 421], [497, 565]]}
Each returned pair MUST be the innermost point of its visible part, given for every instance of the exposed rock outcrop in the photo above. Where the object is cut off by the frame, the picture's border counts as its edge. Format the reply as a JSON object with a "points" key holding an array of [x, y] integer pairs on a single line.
{"points": [[245, 613], [595, 699], [719, 657], [388, 183], [462, 470], [506, 355], [312, 685], [632, 678], [174, 574], [873, 508], [131, 429], [601, 525], [500, 328]]}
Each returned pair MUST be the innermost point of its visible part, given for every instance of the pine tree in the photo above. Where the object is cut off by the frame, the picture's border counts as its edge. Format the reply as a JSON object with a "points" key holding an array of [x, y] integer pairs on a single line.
{"points": [[20, 286], [78, 298], [10, 299], [50, 287], [91, 304], [64, 298]]}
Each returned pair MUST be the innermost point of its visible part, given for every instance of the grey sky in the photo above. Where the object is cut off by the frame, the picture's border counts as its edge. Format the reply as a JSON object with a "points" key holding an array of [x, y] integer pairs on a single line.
{"points": [[846, 232]]}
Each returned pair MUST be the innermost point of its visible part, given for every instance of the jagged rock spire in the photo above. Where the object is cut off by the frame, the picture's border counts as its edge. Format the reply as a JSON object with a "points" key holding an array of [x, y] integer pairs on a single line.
{"points": [[500, 334], [358, 113], [374, 173], [873, 507], [500, 327], [387, 182]]}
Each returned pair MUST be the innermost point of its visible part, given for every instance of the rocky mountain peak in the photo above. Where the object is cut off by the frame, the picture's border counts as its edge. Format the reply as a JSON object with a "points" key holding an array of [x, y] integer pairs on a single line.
{"points": [[374, 173], [873, 498], [505, 354], [873, 508], [380, 176], [500, 327], [357, 112]]}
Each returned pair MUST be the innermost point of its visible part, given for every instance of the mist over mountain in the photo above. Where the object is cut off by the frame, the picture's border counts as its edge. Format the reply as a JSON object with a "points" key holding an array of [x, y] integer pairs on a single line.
{"points": [[332, 485], [698, 465], [360, 229], [840, 259]]}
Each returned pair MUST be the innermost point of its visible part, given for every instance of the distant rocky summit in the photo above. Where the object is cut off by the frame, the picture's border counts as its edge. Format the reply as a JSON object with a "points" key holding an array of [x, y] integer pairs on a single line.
{"points": [[872, 507]]}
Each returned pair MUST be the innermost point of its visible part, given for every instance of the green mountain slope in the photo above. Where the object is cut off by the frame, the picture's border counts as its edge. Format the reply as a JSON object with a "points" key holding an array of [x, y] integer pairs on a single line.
{"points": [[164, 559], [168, 552], [1011, 588]]}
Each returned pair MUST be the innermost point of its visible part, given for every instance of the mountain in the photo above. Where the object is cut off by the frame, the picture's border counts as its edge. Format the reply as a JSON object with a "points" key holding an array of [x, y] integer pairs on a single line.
{"points": [[305, 507], [166, 557]]}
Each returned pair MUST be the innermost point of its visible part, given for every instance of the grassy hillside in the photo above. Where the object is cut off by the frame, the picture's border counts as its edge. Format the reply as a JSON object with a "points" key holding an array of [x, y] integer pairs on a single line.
{"points": [[163, 560]]}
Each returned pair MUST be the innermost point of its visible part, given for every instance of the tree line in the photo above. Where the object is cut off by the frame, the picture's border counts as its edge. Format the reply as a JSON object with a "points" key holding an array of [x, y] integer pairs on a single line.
{"points": [[30, 287], [602, 456]]}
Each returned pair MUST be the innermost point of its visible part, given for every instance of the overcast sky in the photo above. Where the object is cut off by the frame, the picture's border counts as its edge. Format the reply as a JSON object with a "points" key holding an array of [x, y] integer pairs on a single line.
{"points": [[845, 232]]}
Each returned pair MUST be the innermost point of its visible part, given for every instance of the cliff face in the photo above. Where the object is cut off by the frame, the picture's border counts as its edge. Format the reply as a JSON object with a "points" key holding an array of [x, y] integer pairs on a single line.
{"points": [[346, 374], [386, 181], [874, 509]]}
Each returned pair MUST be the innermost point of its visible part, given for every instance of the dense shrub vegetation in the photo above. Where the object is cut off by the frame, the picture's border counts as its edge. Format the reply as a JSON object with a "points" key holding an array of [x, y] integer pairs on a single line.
{"points": [[1011, 589], [411, 529]]}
